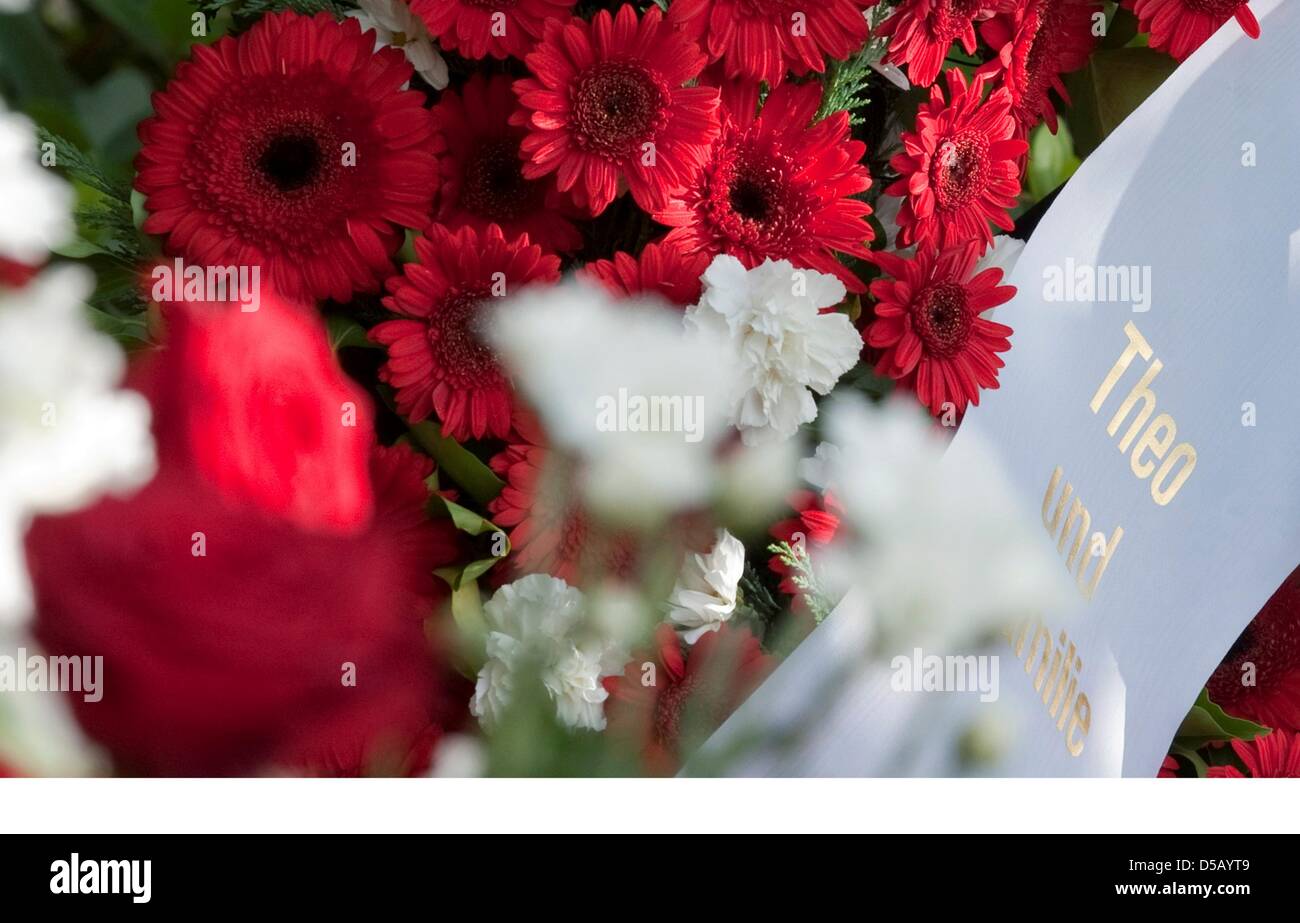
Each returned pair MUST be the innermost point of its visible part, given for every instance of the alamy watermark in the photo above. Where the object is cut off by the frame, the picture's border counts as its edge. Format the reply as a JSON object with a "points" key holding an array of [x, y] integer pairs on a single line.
{"points": [[208, 284], [923, 672], [1086, 282], [23, 672], [76, 875], [655, 413]]}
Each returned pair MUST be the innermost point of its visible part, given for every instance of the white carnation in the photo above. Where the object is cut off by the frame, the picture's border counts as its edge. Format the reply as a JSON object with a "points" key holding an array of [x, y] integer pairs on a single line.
{"points": [[67, 433], [395, 25], [705, 594], [37, 211], [540, 620], [578, 355], [785, 347]]}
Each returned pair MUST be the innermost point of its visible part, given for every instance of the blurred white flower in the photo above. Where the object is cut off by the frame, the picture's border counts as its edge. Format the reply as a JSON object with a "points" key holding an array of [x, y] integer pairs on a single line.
{"points": [[14, 6], [459, 756], [38, 734], [944, 552], [771, 317], [67, 434], [396, 25], [754, 482], [37, 211], [620, 385], [818, 468], [705, 594], [540, 621]]}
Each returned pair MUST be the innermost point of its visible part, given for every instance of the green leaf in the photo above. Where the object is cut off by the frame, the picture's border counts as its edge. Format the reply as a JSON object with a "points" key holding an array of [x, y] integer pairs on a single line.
{"points": [[1122, 29], [466, 520], [1208, 722], [31, 64], [346, 332], [467, 612], [1113, 84], [462, 465], [129, 331], [78, 248], [1192, 757], [159, 28], [1052, 160], [110, 112], [470, 523]]}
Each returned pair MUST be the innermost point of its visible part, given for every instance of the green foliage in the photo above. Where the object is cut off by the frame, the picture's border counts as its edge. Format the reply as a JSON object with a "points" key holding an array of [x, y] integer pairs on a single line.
{"points": [[345, 332], [1113, 84], [462, 465], [161, 29], [848, 83], [1207, 723], [802, 574], [81, 168], [1052, 161], [245, 11], [755, 596]]}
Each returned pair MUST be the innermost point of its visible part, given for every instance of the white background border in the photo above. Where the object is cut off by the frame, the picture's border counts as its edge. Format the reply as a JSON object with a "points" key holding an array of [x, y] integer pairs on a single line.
{"points": [[1206, 806]]}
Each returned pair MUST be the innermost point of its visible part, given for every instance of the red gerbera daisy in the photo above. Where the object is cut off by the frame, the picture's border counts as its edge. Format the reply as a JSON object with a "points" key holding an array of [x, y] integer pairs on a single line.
{"points": [[1035, 45], [692, 693], [1168, 769], [1259, 679], [482, 176], [814, 526], [607, 101], [477, 29], [779, 186], [292, 147], [959, 170], [1274, 756], [660, 270], [549, 531], [921, 32], [762, 39], [1181, 26], [437, 359], [928, 323]]}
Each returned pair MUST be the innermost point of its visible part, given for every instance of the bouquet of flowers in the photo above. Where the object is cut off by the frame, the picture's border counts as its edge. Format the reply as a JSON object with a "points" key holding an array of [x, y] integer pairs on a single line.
{"points": [[424, 387]]}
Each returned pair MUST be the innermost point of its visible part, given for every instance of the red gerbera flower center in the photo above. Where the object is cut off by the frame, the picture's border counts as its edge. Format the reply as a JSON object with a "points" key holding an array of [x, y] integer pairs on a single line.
{"points": [[959, 171], [1224, 8], [953, 17], [291, 161], [941, 319], [454, 334], [494, 186], [273, 183], [754, 203], [617, 106], [668, 710]]}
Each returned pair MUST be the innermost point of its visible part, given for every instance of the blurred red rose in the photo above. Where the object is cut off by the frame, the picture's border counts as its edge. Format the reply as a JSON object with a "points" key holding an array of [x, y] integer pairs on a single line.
{"points": [[260, 605]]}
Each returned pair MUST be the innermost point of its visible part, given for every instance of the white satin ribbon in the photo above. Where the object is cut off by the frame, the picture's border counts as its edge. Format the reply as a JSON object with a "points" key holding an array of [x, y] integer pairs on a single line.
{"points": [[1172, 192]]}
